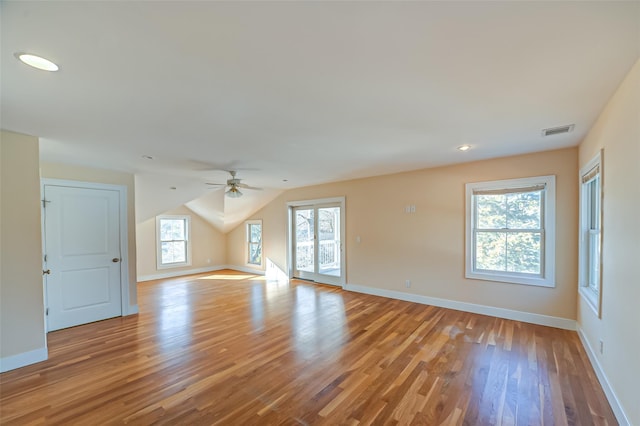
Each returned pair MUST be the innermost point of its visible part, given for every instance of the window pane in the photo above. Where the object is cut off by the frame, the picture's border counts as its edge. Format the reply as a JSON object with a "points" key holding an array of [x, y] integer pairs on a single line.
{"points": [[490, 251], [254, 246], [172, 229], [329, 255], [165, 230], [255, 231], [492, 212], [523, 252], [305, 240], [523, 210], [255, 253], [304, 225], [177, 229], [174, 252]]}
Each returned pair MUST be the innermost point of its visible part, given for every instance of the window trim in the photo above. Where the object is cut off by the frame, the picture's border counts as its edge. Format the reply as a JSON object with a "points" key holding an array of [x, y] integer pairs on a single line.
{"points": [[247, 242], [593, 298], [187, 262], [547, 267]]}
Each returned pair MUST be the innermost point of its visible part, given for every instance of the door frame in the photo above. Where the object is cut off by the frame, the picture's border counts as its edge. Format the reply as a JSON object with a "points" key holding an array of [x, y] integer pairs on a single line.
{"points": [[124, 236], [320, 202]]}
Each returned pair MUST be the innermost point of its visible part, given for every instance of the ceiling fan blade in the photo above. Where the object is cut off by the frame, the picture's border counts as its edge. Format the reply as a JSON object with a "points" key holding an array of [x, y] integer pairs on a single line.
{"points": [[215, 184], [245, 186]]}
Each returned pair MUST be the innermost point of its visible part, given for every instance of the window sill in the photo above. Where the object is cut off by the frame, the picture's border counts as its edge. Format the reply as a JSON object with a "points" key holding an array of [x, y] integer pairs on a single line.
{"points": [[592, 299], [254, 266], [173, 265], [511, 279]]}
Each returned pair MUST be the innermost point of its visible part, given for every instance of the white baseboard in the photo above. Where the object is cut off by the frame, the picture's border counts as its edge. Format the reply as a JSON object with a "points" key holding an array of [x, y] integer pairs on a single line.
{"points": [[181, 272], [621, 416], [246, 269], [22, 360], [557, 322]]}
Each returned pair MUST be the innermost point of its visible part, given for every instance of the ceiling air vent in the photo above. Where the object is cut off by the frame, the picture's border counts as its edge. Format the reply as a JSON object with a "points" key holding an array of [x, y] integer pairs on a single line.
{"points": [[557, 130]]}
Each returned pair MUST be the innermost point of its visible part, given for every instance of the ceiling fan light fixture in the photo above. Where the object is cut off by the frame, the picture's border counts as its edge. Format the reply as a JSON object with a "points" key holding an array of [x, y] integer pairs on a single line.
{"points": [[234, 192]]}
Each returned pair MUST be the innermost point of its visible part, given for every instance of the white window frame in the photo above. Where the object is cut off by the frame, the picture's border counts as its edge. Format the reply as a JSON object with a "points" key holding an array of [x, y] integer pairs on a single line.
{"points": [[247, 224], [548, 220], [591, 172], [187, 262]]}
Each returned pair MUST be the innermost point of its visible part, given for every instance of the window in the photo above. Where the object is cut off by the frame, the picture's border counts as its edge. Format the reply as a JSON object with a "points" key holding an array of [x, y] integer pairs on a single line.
{"points": [[254, 242], [173, 245], [591, 232], [511, 231]]}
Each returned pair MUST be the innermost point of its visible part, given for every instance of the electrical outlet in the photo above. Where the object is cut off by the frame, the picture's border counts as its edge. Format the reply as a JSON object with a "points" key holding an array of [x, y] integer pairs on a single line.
{"points": [[407, 283], [412, 208]]}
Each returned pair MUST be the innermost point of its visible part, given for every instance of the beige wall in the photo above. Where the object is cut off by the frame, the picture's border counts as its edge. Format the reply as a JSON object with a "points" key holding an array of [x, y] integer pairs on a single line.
{"points": [[85, 174], [208, 246], [21, 294], [617, 131], [428, 247]]}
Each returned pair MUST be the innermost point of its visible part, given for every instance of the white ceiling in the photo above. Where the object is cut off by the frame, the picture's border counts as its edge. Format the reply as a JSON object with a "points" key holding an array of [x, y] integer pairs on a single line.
{"points": [[310, 92]]}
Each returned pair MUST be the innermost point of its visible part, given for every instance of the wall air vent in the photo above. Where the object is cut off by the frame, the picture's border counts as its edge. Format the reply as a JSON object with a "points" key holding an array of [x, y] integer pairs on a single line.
{"points": [[558, 130]]}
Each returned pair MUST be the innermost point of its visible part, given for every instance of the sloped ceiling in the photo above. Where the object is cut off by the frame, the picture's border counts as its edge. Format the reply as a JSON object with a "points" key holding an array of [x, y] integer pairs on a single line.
{"points": [[234, 211], [157, 193], [301, 93]]}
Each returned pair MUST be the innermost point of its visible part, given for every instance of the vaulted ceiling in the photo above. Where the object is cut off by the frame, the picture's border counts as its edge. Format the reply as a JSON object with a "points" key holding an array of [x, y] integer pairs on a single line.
{"points": [[300, 93]]}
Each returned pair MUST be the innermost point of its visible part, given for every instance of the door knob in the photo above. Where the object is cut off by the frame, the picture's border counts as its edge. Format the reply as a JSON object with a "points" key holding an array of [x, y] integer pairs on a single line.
{"points": [[47, 272], [115, 260]]}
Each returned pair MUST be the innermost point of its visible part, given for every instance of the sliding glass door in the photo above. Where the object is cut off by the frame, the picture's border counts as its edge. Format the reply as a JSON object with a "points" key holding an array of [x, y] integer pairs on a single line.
{"points": [[305, 241], [317, 243]]}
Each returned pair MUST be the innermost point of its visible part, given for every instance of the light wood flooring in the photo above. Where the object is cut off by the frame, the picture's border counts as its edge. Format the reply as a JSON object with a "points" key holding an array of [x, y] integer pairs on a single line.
{"points": [[233, 349]]}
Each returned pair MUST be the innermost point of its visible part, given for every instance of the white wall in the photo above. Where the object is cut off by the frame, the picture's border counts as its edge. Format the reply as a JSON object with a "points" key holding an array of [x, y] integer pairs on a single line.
{"points": [[428, 247], [22, 336], [617, 131]]}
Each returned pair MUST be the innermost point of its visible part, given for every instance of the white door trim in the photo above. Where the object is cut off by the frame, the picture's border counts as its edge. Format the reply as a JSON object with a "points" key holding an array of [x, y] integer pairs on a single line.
{"points": [[126, 309], [320, 202]]}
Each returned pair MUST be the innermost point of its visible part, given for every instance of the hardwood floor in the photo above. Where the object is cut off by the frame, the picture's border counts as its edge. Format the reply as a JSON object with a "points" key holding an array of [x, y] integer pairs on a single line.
{"points": [[232, 349]]}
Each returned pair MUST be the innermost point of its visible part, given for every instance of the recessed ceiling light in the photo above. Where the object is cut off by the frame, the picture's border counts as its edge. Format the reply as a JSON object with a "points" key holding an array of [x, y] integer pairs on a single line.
{"points": [[36, 61], [147, 157], [464, 147]]}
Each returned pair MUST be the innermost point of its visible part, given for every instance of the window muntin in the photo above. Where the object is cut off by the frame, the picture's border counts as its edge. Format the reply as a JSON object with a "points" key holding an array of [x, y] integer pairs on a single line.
{"points": [[254, 242], [591, 232], [173, 241], [508, 230]]}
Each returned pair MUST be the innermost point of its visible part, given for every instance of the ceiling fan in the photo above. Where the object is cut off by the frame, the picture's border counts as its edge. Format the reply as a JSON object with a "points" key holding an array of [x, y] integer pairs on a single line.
{"points": [[234, 185]]}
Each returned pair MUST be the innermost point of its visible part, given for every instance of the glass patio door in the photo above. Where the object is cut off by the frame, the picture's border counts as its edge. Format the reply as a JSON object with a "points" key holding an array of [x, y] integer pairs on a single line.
{"points": [[317, 244]]}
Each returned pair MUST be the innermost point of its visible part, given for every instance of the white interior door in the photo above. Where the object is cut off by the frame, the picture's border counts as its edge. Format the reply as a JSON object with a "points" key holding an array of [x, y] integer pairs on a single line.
{"points": [[317, 243], [82, 252]]}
